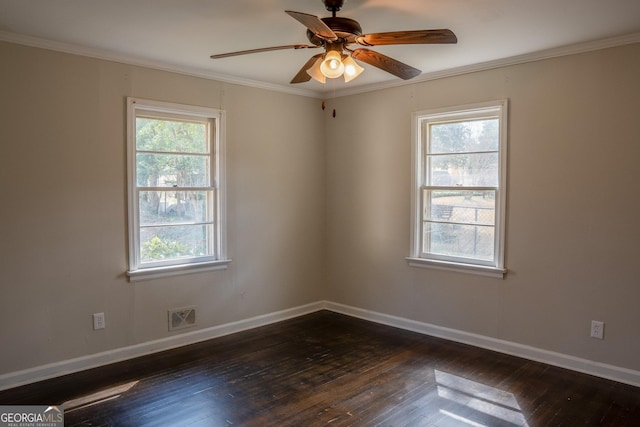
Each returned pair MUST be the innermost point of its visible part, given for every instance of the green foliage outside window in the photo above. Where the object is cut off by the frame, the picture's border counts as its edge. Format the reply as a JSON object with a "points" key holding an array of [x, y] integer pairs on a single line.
{"points": [[157, 249]]}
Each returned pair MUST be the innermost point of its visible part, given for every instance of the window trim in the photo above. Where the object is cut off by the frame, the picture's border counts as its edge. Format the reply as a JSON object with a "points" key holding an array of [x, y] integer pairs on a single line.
{"points": [[493, 268], [219, 260]]}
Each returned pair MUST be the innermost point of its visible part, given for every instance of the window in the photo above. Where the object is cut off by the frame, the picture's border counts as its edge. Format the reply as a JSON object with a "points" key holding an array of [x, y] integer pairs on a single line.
{"points": [[458, 200], [176, 189]]}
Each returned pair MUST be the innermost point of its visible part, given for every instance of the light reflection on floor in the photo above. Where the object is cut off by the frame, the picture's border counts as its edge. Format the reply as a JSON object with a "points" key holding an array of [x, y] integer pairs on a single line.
{"points": [[461, 419], [98, 397], [479, 397], [203, 404], [180, 401]]}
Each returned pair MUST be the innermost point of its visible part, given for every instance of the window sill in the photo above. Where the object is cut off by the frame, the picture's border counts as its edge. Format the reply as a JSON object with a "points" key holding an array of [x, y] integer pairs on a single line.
{"points": [[480, 270], [176, 270]]}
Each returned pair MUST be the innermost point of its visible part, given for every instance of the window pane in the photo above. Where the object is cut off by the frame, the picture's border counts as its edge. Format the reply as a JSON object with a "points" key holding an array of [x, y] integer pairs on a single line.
{"points": [[461, 206], [168, 170], [171, 136], [172, 242], [166, 207], [459, 223], [465, 241], [469, 169], [464, 137]]}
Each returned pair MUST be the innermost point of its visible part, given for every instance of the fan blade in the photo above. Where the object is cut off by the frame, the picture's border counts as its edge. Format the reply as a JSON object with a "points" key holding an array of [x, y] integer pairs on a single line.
{"points": [[315, 24], [264, 49], [302, 75], [385, 63], [408, 37]]}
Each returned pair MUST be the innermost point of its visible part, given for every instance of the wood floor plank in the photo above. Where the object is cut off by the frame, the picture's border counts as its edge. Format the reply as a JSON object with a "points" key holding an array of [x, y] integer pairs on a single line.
{"points": [[327, 369]]}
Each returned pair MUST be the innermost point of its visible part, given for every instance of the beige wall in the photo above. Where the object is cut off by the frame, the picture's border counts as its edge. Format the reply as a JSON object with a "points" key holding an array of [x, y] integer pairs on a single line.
{"points": [[573, 228], [318, 207], [63, 246]]}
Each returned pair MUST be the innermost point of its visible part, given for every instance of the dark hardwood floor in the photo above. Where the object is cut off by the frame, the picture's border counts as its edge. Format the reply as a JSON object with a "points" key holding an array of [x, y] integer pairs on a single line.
{"points": [[329, 369]]}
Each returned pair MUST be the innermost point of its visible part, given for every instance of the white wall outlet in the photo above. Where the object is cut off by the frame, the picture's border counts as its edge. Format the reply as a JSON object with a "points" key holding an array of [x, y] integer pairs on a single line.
{"points": [[597, 329], [98, 321]]}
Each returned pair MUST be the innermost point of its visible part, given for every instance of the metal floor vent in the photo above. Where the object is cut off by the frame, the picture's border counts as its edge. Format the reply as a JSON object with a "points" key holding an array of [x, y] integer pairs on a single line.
{"points": [[180, 318]]}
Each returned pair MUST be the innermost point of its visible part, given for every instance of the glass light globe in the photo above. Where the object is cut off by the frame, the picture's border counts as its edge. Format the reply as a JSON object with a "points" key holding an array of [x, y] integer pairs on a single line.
{"points": [[351, 69], [332, 66]]}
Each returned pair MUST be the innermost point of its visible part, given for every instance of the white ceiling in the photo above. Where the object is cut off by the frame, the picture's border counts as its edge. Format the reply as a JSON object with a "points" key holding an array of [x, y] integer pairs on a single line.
{"points": [[180, 35]]}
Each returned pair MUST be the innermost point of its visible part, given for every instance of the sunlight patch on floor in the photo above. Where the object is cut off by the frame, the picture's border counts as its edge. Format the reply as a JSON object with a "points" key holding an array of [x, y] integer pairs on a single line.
{"points": [[479, 397], [461, 419], [98, 397]]}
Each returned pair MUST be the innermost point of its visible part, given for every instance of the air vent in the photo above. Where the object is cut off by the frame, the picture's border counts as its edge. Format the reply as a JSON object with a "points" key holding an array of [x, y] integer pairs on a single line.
{"points": [[180, 318]]}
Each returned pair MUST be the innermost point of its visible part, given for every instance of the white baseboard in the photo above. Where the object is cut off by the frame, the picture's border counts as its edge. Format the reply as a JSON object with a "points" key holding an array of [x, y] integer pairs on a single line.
{"points": [[39, 373], [610, 372]]}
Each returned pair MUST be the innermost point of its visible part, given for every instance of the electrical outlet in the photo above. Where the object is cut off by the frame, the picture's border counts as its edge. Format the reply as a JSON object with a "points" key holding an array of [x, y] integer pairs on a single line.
{"points": [[597, 329], [98, 321]]}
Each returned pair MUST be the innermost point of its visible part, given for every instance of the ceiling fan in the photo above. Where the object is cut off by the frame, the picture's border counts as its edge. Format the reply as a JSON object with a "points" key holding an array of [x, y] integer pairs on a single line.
{"points": [[336, 35]]}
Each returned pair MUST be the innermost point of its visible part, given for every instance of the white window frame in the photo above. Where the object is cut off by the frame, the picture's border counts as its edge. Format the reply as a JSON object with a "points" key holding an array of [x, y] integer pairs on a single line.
{"points": [[218, 260], [420, 120]]}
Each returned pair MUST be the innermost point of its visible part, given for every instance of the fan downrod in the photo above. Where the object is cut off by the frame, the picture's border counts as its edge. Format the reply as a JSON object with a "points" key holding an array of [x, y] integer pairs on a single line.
{"points": [[333, 6]]}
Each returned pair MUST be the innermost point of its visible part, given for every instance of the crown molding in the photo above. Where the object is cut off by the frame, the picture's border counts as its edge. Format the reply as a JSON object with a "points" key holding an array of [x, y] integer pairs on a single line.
{"points": [[452, 72], [156, 65], [566, 50]]}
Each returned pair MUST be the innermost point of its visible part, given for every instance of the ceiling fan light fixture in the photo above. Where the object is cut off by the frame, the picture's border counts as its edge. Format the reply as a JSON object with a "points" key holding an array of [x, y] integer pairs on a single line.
{"points": [[315, 73], [336, 34], [351, 69], [332, 66]]}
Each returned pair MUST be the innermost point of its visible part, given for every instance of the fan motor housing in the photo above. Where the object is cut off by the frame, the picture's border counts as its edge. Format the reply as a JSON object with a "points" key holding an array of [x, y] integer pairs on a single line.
{"points": [[346, 29]]}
